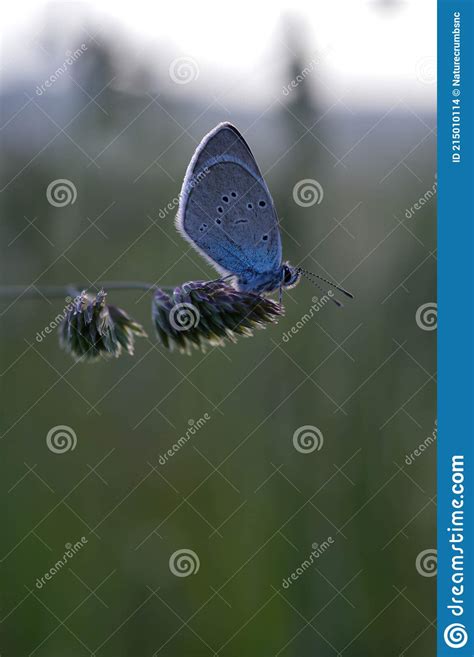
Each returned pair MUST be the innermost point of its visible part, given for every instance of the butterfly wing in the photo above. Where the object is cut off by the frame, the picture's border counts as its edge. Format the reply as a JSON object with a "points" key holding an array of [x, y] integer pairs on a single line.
{"points": [[226, 211]]}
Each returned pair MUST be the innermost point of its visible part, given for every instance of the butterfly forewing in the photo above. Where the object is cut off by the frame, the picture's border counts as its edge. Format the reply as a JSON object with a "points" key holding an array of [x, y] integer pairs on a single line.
{"points": [[226, 210]]}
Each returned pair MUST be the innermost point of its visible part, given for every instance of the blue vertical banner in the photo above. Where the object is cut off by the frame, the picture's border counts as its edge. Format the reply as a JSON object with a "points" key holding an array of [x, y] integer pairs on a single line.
{"points": [[455, 328]]}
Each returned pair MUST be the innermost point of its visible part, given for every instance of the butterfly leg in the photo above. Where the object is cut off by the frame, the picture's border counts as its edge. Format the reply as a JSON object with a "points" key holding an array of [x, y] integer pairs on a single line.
{"points": [[222, 279], [199, 285]]}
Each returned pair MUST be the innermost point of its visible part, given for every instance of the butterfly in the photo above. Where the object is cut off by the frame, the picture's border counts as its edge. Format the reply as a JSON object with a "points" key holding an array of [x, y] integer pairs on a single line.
{"points": [[227, 214]]}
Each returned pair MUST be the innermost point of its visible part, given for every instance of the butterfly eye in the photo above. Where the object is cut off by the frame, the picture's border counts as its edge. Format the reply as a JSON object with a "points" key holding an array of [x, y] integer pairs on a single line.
{"points": [[225, 199], [287, 275], [262, 204]]}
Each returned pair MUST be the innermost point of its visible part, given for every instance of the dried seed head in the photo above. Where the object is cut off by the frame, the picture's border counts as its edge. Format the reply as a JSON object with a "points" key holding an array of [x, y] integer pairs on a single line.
{"points": [[91, 329], [207, 313]]}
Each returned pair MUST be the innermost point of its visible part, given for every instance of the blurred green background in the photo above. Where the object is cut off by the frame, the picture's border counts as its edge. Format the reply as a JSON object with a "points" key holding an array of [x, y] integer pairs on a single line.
{"points": [[238, 494]]}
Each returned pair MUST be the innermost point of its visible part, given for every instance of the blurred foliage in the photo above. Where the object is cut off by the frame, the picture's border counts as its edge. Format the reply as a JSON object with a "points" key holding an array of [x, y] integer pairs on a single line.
{"points": [[237, 493]]}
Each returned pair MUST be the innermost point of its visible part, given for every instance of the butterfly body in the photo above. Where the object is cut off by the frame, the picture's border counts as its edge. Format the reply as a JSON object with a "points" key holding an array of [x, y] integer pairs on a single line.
{"points": [[226, 213]]}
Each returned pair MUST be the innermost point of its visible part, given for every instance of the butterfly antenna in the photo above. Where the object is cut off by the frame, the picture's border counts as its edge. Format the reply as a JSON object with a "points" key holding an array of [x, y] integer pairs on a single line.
{"points": [[331, 283], [306, 275]]}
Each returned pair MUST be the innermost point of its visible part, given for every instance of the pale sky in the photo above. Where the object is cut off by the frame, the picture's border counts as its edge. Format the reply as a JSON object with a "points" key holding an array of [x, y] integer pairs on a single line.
{"points": [[374, 52]]}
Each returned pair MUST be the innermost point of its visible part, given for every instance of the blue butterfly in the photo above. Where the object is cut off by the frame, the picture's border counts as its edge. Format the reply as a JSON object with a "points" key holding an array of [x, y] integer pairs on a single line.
{"points": [[227, 214]]}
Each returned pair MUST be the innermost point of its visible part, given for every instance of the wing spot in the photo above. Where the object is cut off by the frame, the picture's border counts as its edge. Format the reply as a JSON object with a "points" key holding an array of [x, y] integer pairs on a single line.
{"points": [[225, 199], [250, 206], [233, 194], [220, 209], [241, 221], [262, 204], [218, 221], [202, 227], [264, 238]]}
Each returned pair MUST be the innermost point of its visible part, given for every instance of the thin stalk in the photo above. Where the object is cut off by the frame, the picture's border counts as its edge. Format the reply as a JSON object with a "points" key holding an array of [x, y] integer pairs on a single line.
{"points": [[71, 289]]}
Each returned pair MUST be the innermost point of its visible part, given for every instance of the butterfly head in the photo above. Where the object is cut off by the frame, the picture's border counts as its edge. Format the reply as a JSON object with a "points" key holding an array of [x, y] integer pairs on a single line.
{"points": [[290, 276]]}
